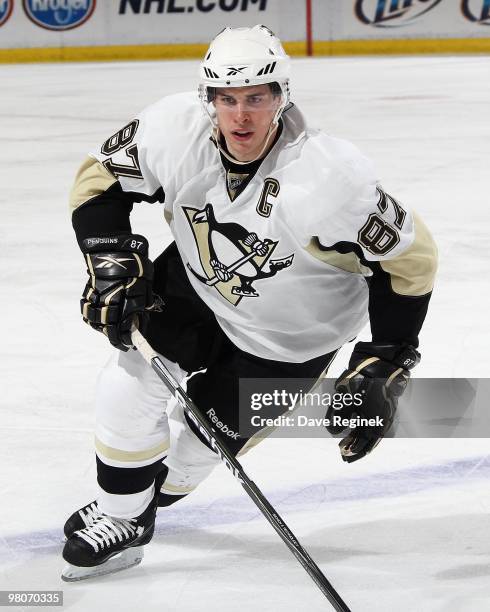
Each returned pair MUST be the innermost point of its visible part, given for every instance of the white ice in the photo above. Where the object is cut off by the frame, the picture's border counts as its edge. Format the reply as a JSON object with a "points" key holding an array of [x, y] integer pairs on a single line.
{"points": [[405, 529]]}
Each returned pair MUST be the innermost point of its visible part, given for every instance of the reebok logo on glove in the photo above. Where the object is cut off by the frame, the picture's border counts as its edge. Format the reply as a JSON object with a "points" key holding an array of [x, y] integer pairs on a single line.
{"points": [[108, 261]]}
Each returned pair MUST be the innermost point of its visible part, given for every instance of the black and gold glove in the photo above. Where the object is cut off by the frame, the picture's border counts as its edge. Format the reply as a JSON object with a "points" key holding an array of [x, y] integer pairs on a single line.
{"points": [[119, 289], [377, 376]]}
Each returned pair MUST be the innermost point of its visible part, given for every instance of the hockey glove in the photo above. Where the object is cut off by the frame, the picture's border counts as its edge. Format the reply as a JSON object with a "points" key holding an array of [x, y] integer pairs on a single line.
{"points": [[120, 286], [378, 372]]}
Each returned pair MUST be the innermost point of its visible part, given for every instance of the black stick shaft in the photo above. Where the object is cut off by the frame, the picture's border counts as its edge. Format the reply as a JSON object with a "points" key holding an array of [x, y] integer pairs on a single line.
{"points": [[213, 437]]}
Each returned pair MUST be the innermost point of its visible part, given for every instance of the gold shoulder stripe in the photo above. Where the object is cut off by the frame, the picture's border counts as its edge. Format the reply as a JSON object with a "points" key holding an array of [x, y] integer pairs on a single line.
{"points": [[349, 262], [92, 179], [412, 273]]}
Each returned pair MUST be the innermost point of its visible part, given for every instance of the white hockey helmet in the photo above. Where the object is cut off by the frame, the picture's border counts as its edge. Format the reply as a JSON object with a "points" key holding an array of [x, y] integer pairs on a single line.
{"points": [[241, 57]]}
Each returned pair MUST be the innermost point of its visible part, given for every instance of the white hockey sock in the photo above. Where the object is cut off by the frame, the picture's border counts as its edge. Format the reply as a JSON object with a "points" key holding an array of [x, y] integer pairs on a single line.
{"points": [[124, 506]]}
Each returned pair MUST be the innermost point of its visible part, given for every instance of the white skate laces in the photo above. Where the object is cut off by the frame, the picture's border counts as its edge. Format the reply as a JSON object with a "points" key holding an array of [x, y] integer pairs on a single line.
{"points": [[90, 514], [107, 530]]}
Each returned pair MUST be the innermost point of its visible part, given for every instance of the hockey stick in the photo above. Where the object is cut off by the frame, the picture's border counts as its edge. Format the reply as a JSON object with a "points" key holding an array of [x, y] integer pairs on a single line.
{"points": [[212, 436]]}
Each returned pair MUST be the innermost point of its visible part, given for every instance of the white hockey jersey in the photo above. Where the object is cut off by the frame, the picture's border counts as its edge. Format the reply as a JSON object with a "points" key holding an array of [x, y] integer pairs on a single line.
{"points": [[288, 295]]}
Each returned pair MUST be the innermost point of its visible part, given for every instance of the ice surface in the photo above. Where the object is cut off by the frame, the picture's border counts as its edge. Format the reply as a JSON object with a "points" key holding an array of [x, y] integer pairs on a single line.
{"points": [[406, 528]]}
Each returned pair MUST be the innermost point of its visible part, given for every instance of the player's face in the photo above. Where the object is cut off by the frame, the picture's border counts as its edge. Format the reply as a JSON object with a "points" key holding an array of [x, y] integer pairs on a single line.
{"points": [[244, 116]]}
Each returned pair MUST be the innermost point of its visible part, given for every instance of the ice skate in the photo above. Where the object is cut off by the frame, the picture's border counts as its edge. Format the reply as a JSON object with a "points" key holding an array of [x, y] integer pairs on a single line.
{"points": [[107, 545]]}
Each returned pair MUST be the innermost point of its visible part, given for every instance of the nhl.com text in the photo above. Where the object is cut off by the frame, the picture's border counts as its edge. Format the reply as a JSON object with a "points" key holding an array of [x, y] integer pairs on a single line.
{"points": [[139, 7]]}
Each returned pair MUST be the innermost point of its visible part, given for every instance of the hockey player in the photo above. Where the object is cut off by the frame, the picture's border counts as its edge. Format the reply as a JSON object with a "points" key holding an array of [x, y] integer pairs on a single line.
{"points": [[284, 246]]}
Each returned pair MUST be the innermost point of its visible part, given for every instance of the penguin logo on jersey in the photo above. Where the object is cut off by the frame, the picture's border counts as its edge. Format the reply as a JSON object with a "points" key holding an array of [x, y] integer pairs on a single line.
{"points": [[232, 257]]}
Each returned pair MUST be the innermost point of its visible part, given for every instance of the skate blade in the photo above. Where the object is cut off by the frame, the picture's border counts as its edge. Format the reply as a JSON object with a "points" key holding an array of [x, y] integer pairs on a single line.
{"points": [[124, 560]]}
